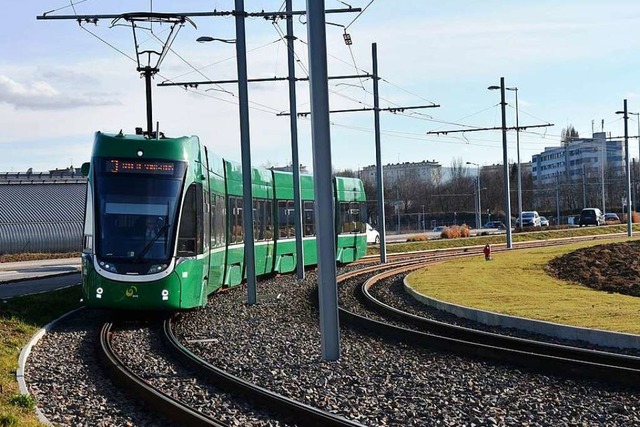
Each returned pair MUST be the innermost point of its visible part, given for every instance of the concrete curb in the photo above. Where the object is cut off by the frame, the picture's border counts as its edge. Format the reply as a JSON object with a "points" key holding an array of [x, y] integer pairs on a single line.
{"points": [[593, 336], [24, 355]]}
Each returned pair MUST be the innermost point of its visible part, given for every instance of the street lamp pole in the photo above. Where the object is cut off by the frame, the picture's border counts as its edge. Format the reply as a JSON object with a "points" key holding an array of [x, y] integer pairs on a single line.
{"points": [[637, 176], [625, 114], [505, 161], [478, 205], [515, 89]]}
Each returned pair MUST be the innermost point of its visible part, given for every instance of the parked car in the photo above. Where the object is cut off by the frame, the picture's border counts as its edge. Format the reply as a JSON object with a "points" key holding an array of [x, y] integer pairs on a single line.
{"points": [[438, 229], [372, 235], [591, 216], [495, 224], [544, 222], [529, 219], [611, 218]]}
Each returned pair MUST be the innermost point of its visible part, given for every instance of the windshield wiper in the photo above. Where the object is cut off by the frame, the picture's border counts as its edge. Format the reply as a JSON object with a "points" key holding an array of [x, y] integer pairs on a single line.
{"points": [[151, 242]]}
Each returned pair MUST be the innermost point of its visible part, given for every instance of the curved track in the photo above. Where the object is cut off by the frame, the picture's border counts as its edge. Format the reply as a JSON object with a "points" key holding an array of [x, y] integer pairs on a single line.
{"points": [[561, 359], [183, 414], [303, 414], [169, 407]]}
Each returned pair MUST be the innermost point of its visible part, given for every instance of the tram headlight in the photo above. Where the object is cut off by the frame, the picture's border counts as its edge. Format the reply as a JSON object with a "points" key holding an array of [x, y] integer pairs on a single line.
{"points": [[157, 268], [107, 266]]}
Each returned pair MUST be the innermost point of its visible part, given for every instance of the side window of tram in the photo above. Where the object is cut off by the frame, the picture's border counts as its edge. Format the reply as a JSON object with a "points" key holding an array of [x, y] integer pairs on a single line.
{"points": [[187, 238], [268, 220], [285, 219], [308, 219], [235, 220], [350, 218], [221, 220], [258, 223], [207, 240]]}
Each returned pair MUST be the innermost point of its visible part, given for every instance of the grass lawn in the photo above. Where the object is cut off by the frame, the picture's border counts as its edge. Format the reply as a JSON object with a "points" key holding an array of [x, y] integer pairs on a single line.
{"points": [[20, 319], [515, 283]]}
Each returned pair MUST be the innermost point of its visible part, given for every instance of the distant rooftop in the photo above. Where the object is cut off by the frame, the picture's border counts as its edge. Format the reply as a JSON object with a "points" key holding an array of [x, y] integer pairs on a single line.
{"points": [[70, 174]]}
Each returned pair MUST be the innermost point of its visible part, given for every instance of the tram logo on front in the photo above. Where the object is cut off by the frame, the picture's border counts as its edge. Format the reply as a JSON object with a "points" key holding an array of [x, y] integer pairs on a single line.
{"points": [[132, 292]]}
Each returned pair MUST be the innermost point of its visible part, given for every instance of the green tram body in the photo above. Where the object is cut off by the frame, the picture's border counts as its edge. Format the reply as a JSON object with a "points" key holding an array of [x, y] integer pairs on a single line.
{"points": [[163, 223]]}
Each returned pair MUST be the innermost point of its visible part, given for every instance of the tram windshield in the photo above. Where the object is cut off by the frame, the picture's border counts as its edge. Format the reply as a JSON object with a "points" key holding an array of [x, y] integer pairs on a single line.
{"points": [[136, 207]]}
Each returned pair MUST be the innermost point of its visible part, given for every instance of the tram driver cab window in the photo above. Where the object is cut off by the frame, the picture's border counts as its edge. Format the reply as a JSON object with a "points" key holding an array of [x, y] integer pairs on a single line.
{"points": [[190, 232]]}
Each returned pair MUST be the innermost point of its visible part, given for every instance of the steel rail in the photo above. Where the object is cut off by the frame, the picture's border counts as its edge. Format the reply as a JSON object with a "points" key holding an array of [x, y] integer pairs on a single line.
{"points": [[136, 386], [304, 414], [547, 357]]}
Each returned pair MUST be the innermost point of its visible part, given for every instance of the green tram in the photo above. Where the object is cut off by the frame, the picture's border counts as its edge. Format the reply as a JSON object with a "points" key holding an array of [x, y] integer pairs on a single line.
{"points": [[163, 223]]}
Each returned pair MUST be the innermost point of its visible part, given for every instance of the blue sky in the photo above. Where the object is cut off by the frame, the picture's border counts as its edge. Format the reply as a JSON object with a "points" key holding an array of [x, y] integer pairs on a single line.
{"points": [[573, 61]]}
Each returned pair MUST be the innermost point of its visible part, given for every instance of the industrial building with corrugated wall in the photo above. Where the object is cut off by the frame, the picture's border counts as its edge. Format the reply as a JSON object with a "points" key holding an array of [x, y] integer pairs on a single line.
{"points": [[42, 215]]}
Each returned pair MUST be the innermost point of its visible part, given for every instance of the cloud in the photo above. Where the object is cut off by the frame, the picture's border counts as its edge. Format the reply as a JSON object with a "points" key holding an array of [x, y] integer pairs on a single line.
{"points": [[40, 95]]}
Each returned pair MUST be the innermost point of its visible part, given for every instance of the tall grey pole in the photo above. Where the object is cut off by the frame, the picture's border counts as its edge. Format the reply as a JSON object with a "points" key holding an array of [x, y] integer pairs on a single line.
{"points": [[398, 204], [505, 166], [294, 144], [627, 165], [479, 219], [584, 187], [558, 200], [602, 162], [379, 175], [245, 145], [321, 145], [519, 171]]}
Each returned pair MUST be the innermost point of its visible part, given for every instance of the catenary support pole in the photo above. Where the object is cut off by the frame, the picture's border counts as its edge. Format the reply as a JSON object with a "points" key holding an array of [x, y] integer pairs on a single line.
{"points": [[519, 164], [379, 175], [558, 200], [295, 161], [505, 166], [245, 146], [321, 145], [627, 166], [603, 160]]}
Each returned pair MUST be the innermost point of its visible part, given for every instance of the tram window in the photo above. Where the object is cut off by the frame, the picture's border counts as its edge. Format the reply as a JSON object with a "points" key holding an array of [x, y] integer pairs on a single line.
{"points": [[206, 221], [309, 219], [87, 238], [268, 220], [213, 220], [221, 218], [235, 220], [188, 224], [363, 217], [285, 218], [258, 220], [351, 218]]}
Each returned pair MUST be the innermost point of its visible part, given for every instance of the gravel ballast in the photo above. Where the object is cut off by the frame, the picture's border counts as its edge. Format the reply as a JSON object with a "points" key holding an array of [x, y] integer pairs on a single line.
{"points": [[277, 344]]}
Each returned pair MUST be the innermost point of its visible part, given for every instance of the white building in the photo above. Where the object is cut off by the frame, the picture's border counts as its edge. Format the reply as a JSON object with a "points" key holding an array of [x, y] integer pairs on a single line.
{"points": [[579, 157], [424, 171]]}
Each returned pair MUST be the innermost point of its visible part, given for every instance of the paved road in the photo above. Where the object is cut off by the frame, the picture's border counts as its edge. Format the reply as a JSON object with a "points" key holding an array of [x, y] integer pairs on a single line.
{"points": [[32, 277]]}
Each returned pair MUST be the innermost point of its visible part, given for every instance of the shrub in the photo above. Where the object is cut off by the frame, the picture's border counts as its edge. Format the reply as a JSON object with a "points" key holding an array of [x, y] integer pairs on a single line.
{"points": [[635, 218], [455, 232], [418, 238], [24, 401]]}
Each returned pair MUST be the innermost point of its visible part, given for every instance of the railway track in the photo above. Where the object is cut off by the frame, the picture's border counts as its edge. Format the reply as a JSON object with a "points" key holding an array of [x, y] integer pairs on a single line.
{"points": [[527, 353], [283, 408], [417, 330]]}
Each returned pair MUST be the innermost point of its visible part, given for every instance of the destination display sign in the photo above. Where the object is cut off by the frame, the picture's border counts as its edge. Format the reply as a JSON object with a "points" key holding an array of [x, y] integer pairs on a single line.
{"points": [[138, 166]]}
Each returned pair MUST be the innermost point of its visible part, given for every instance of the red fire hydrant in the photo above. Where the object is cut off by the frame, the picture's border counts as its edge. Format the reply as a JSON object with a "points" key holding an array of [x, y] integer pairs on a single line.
{"points": [[487, 252]]}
